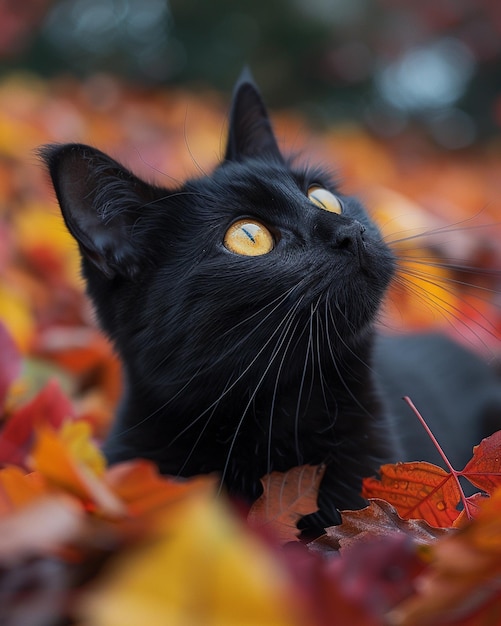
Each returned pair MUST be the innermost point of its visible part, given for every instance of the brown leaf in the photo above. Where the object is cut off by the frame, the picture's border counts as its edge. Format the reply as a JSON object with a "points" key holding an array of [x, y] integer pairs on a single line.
{"points": [[378, 519], [286, 498], [417, 490]]}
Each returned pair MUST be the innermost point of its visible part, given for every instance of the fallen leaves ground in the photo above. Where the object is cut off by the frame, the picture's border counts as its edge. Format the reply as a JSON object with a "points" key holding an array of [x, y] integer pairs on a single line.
{"points": [[123, 545]]}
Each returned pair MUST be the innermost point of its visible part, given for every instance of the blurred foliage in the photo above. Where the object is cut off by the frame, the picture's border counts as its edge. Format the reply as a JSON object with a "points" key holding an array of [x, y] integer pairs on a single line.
{"points": [[387, 63]]}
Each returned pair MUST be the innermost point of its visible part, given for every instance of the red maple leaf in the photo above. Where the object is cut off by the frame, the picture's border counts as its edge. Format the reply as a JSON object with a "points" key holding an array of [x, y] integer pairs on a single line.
{"points": [[425, 491]]}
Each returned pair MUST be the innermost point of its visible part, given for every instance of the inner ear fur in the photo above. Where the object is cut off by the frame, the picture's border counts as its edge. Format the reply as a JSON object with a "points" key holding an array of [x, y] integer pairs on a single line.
{"points": [[105, 206]]}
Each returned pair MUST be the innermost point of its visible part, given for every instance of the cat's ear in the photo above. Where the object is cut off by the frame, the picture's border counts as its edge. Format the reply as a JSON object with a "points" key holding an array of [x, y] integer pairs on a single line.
{"points": [[103, 205], [250, 133]]}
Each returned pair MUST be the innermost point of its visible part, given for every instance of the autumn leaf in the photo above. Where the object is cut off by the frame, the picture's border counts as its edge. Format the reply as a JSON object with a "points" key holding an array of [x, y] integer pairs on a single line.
{"points": [[10, 363], [462, 585], [49, 407], [85, 353], [63, 468], [17, 316], [286, 498], [200, 566], [484, 469], [418, 490], [17, 489], [319, 582], [426, 491], [378, 519], [143, 490]]}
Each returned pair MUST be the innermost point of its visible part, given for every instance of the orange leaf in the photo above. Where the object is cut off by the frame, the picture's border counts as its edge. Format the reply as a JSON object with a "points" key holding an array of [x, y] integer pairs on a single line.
{"points": [[287, 497], [417, 490], [49, 407], [18, 488], [53, 459], [140, 486]]}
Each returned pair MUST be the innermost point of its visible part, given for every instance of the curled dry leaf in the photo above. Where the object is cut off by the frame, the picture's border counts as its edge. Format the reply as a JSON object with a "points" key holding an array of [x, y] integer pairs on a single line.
{"points": [[287, 496], [378, 519]]}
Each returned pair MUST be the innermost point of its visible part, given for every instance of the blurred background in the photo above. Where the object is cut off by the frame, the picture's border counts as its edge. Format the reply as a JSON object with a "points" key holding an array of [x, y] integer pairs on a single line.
{"points": [[384, 63]]}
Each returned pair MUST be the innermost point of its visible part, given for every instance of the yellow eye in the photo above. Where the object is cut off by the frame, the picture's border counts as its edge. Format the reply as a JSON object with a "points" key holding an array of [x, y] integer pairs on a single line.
{"points": [[248, 238], [324, 199]]}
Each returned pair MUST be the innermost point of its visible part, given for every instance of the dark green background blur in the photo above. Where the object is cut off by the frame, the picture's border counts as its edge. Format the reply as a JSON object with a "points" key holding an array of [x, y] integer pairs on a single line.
{"points": [[384, 63]]}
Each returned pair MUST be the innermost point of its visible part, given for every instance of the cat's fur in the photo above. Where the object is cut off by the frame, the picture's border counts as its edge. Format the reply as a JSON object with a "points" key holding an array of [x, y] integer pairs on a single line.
{"points": [[234, 364]]}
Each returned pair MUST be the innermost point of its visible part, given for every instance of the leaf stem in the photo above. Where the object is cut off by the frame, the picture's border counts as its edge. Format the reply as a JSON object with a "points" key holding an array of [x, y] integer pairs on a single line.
{"points": [[430, 434]]}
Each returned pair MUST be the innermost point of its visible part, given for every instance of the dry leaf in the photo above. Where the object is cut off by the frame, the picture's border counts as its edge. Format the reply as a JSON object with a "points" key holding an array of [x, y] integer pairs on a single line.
{"points": [[286, 498], [378, 519]]}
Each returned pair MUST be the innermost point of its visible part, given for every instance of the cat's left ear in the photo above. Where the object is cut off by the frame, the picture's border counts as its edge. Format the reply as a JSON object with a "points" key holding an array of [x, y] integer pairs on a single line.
{"points": [[250, 133], [104, 206]]}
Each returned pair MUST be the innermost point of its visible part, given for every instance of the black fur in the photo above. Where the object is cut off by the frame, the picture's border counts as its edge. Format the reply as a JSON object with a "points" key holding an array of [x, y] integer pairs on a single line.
{"points": [[233, 364]]}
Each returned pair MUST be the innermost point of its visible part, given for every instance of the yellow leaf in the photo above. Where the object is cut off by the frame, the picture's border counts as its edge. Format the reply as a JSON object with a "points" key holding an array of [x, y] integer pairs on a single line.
{"points": [[16, 315], [76, 436], [202, 568]]}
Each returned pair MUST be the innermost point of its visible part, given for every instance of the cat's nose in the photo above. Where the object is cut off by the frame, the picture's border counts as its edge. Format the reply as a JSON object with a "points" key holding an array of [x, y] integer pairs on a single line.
{"points": [[350, 237]]}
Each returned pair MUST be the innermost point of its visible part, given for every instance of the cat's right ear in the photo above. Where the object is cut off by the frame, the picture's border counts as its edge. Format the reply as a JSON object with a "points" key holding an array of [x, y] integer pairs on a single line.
{"points": [[250, 133], [103, 206]]}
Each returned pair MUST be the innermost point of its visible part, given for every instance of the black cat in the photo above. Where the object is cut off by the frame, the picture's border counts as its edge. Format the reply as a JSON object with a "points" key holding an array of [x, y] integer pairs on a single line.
{"points": [[243, 307]]}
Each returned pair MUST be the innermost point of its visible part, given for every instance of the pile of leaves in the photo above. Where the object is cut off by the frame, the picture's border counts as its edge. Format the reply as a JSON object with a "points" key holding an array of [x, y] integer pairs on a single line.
{"points": [[86, 544], [124, 545]]}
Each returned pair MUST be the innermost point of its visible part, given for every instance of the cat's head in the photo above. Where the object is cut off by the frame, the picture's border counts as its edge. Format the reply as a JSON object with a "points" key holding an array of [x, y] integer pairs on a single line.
{"points": [[259, 259]]}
